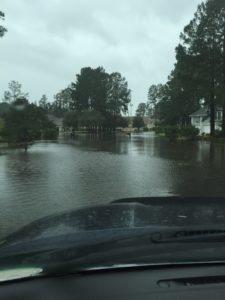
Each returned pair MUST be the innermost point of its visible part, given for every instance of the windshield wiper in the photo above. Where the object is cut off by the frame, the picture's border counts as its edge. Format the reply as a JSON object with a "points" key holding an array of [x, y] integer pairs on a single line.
{"points": [[188, 236]]}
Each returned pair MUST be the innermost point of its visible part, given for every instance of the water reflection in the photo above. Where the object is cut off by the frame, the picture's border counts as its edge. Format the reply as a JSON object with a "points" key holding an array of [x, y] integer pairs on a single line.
{"points": [[91, 169]]}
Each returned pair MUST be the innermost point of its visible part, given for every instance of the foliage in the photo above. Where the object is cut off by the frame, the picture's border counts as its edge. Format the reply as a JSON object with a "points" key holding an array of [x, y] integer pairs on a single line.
{"points": [[174, 132], [26, 122], [122, 122], [171, 132], [14, 92], [138, 122], [63, 102], [89, 90], [155, 95], [190, 132], [4, 108], [95, 94], [2, 28], [199, 72], [203, 39], [2, 125], [118, 94], [98, 91], [219, 134], [43, 103], [91, 119], [141, 110], [70, 120], [49, 130]]}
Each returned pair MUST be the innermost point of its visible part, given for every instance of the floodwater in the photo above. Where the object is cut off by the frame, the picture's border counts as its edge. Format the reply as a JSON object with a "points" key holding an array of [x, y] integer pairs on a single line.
{"points": [[95, 169]]}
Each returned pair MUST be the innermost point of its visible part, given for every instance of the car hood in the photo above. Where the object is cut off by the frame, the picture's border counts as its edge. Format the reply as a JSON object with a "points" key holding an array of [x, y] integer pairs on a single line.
{"points": [[126, 214]]}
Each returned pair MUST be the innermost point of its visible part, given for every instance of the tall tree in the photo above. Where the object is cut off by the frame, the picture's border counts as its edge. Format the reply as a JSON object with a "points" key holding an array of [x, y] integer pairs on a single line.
{"points": [[89, 90], [181, 95], [138, 122], [96, 90], [2, 28], [63, 100], [202, 39], [141, 110], [14, 92], [156, 93], [43, 102], [118, 94]]}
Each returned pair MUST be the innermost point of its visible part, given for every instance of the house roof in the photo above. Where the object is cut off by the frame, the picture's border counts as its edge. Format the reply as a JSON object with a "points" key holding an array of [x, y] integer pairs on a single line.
{"points": [[55, 120], [202, 112]]}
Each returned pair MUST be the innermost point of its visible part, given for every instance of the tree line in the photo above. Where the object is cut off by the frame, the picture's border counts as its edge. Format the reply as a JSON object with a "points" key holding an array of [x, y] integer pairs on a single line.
{"points": [[198, 77], [96, 99]]}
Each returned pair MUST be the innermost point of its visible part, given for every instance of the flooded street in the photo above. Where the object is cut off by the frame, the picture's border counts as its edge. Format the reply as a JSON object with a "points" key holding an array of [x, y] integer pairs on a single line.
{"points": [[54, 177]]}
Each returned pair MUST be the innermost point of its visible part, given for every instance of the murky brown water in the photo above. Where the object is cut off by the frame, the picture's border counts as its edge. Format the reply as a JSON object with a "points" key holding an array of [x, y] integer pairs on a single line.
{"points": [[53, 177]]}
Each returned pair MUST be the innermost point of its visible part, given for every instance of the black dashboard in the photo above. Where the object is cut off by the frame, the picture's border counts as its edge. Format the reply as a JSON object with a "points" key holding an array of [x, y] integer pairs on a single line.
{"points": [[177, 282]]}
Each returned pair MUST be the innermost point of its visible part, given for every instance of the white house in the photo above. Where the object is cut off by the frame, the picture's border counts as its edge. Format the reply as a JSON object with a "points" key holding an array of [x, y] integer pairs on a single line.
{"points": [[201, 119]]}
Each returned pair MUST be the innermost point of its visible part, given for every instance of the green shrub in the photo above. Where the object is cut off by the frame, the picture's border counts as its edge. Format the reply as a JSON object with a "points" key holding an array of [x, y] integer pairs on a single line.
{"points": [[171, 132], [50, 133], [189, 132], [159, 129], [219, 134]]}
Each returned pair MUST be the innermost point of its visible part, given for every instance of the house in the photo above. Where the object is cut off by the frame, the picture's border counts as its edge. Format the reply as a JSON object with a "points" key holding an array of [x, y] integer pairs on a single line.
{"points": [[201, 119], [149, 122], [57, 121]]}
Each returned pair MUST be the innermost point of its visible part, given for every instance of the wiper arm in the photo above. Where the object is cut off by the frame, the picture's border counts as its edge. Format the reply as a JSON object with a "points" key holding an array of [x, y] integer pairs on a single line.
{"points": [[188, 236]]}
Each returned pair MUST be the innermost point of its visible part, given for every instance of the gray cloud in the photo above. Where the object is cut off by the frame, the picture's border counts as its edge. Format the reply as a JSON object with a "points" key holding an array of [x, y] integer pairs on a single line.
{"points": [[49, 41]]}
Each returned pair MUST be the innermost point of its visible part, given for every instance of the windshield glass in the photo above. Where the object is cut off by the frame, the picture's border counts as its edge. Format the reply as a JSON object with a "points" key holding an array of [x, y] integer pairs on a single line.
{"points": [[112, 134]]}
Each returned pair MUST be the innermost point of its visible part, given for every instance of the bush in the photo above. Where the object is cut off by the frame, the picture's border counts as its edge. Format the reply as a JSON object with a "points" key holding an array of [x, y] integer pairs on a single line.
{"points": [[51, 134], [70, 120], [159, 129], [50, 131], [189, 132], [171, 132], [219, 134], [138, 122], [122, 122]]}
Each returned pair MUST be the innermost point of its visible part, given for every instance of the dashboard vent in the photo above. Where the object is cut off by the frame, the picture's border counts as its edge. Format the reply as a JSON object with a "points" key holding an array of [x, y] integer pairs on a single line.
{"points": [[187, 282], [198, 232]]}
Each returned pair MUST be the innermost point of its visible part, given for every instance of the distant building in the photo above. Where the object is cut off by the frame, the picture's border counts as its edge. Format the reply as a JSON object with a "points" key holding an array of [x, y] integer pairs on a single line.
{"points": [[201, 119], [57, 121], [149, 122]]}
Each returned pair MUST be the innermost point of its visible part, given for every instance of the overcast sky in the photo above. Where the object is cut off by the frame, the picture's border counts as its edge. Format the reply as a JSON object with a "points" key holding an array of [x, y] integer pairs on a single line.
{"points": [[49, 41]]}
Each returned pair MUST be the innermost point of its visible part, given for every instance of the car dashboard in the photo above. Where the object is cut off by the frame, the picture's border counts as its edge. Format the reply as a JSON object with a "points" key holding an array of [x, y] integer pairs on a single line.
{"points": [[158, 282]]}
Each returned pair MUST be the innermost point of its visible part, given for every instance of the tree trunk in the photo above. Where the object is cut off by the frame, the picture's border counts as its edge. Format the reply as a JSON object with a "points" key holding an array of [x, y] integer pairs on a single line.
{"points": [[212, 92], [223, 120], [212, 113], [223, 106]]}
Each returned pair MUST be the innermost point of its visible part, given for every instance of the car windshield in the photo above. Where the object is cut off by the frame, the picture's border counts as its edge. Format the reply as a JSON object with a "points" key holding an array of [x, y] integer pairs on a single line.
{"points": [[112, 134]]}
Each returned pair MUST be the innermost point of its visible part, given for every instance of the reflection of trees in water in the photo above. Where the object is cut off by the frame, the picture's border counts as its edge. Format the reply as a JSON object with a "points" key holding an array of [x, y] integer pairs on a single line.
{"points": [[176, 151], [211, 153], [217, 154], [112, 143], [24, 166], [205, 174]]}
